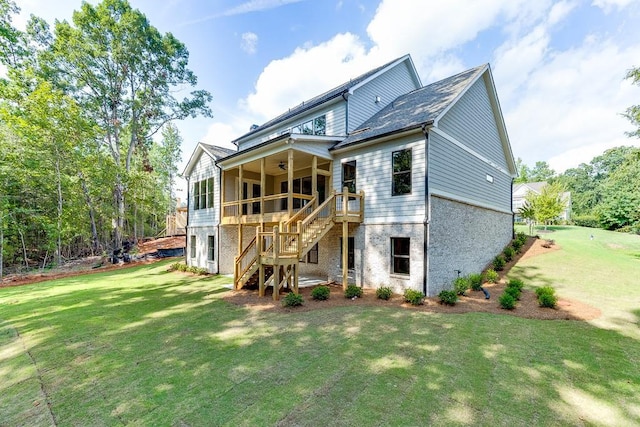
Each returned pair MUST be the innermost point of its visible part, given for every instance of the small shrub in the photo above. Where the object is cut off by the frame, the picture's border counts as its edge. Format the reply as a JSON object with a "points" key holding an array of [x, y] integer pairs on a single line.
{"points": [[521, 237], [292, 300], [491, 276], [499, 263], [516, 283], [448, 297], [353, 291], [517, 246], [320, 293], [545, 290], [547, 300], [175, 266], [547, 297], [507, 301], [514, 292], [384, 293], [508, 253], [413, 297], [461, 285], [475, 281]]}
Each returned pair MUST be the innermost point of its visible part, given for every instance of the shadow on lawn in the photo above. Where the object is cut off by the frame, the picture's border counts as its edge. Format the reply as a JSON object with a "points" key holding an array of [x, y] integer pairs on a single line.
{"points": [[171, 352]]}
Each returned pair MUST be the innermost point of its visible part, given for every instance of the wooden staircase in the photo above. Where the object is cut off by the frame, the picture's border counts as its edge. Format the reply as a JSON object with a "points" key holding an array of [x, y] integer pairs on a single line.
{"points": [[272, 258]]}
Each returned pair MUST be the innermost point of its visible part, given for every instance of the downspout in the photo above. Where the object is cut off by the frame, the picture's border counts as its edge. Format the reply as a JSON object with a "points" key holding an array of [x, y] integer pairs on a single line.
{"points": [[513, 214], [220, 190], [345, 96], [427, 215], [186, 227]]}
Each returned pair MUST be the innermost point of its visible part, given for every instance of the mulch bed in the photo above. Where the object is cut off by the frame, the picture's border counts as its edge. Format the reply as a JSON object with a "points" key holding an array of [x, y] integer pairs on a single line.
{"points": [[474, 301]]}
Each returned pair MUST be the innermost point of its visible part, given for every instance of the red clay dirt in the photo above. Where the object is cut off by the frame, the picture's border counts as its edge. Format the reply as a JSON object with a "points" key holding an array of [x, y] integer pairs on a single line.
{"points": [[94, 264], [474, 301]]}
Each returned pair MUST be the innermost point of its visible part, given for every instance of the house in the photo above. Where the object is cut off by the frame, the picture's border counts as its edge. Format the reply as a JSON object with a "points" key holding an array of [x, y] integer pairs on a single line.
{"points": [[377, 182], [521, 190]]}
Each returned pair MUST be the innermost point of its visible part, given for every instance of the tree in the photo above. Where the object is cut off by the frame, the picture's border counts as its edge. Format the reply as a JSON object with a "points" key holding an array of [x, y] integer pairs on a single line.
{"points": [[124, 73], [541, 172], [633, 112], [523, 172], [528, 212], [620, 207], [547, 205]]}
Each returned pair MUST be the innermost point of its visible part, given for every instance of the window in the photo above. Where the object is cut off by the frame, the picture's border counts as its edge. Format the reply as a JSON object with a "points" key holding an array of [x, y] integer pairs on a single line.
{"points": [[211, 248], [349, 176], [351, 259], [210, 192], [320, 125], [192, 241], [307, 128], [312, 255], [203, 194], [316, 126], [400, 249], [401, 172]]}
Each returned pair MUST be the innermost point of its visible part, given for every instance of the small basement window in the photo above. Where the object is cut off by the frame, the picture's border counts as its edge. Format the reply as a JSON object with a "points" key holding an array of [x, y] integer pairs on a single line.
{"points": [[400, 254]]}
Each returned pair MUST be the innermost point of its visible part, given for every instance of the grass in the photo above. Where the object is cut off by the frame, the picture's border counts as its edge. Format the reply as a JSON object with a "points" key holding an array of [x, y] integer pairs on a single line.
{"points": [[146, 347], [602, 272]]}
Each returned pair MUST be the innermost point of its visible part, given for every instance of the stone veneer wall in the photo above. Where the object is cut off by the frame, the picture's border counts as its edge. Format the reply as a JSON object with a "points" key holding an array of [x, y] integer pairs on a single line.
{"points": [[229, 245], [465, 238]]}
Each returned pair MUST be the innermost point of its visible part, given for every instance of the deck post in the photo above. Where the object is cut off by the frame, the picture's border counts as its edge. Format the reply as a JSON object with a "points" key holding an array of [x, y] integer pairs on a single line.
{"points": [[314, 179], [345, 238], [263, 185], [295, 277], [276, 263], [290, 183]]}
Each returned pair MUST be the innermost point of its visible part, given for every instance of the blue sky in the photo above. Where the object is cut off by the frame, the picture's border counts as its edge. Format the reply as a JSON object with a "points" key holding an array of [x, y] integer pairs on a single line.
{"points": [[558, 66]]}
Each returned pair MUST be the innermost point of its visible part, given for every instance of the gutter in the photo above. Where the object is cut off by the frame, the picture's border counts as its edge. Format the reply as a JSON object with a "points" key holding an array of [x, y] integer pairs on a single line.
{"points": [[427, 213], [219, 217]]}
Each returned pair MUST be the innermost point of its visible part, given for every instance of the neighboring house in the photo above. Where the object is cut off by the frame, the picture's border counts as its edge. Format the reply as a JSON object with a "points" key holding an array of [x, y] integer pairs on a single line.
{"points": [[378, 182], [521, 190]]}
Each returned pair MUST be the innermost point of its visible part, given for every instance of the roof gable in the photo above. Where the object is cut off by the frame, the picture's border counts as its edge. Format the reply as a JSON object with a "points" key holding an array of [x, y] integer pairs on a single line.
{"points": [[419, 107], [213, 151], [343, 89]]}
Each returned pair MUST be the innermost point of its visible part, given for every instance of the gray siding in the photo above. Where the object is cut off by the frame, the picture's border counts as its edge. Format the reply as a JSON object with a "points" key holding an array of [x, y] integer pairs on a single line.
{"points": [[472, 122], [455, 172], [336, 124], [374, 177], [388, 86], [205, 168]]}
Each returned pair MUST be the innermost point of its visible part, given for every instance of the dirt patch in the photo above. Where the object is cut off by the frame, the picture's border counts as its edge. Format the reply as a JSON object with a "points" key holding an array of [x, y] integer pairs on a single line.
{"points": [[95, 264], [474, 301]]}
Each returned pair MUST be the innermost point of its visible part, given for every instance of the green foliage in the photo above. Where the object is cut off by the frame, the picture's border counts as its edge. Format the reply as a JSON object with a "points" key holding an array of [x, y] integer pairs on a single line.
{"points": [[292, 300], [353, 291], [475, 281], [499, 263], [547, 300], [548, 204], [491, 276], [508, 253], [413, 297], [591, 221], [461, 285], [507, 301], [384, 293], [521, 238], [547, 296], [545, 290], [448, 297], [516, 284], [514, 292], [320, 293]]}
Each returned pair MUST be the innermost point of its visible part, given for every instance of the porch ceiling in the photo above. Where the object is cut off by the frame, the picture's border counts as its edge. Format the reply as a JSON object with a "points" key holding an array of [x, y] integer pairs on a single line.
{"points": [[272, 162]]}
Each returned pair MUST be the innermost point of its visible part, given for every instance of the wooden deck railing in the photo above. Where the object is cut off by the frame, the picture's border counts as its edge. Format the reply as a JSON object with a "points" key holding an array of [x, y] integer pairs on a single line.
{"points": [[267, 204]]}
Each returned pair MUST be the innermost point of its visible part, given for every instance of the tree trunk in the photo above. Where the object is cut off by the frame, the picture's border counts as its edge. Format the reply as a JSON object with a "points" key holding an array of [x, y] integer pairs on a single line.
{"points": [[59, 223], [119, 225], [92, 216]]}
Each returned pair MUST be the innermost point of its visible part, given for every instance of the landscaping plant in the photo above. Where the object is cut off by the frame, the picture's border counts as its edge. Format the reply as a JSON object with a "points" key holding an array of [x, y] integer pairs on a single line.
{"points": [[491, 276], [384, 292], [461, 285], [475, 281], [448, 297], [414, 297], [353, 291], [320, 293], [292, 300]]}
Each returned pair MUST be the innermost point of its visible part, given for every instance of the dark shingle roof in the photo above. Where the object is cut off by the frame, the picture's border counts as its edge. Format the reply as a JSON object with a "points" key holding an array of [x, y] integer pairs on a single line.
{"points": [[320, 99], [218, 152], [413, 109]]}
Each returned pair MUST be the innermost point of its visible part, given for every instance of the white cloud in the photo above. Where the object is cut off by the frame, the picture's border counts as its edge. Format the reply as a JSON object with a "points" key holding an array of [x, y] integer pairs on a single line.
{"points": [[609, 5], [313, 69], [571, 105], [249, 42], [221, 134]]}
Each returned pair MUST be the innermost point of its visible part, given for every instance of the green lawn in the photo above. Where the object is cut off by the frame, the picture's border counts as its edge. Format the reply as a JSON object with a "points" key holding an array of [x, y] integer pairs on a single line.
{"points": [[147, 347]]}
